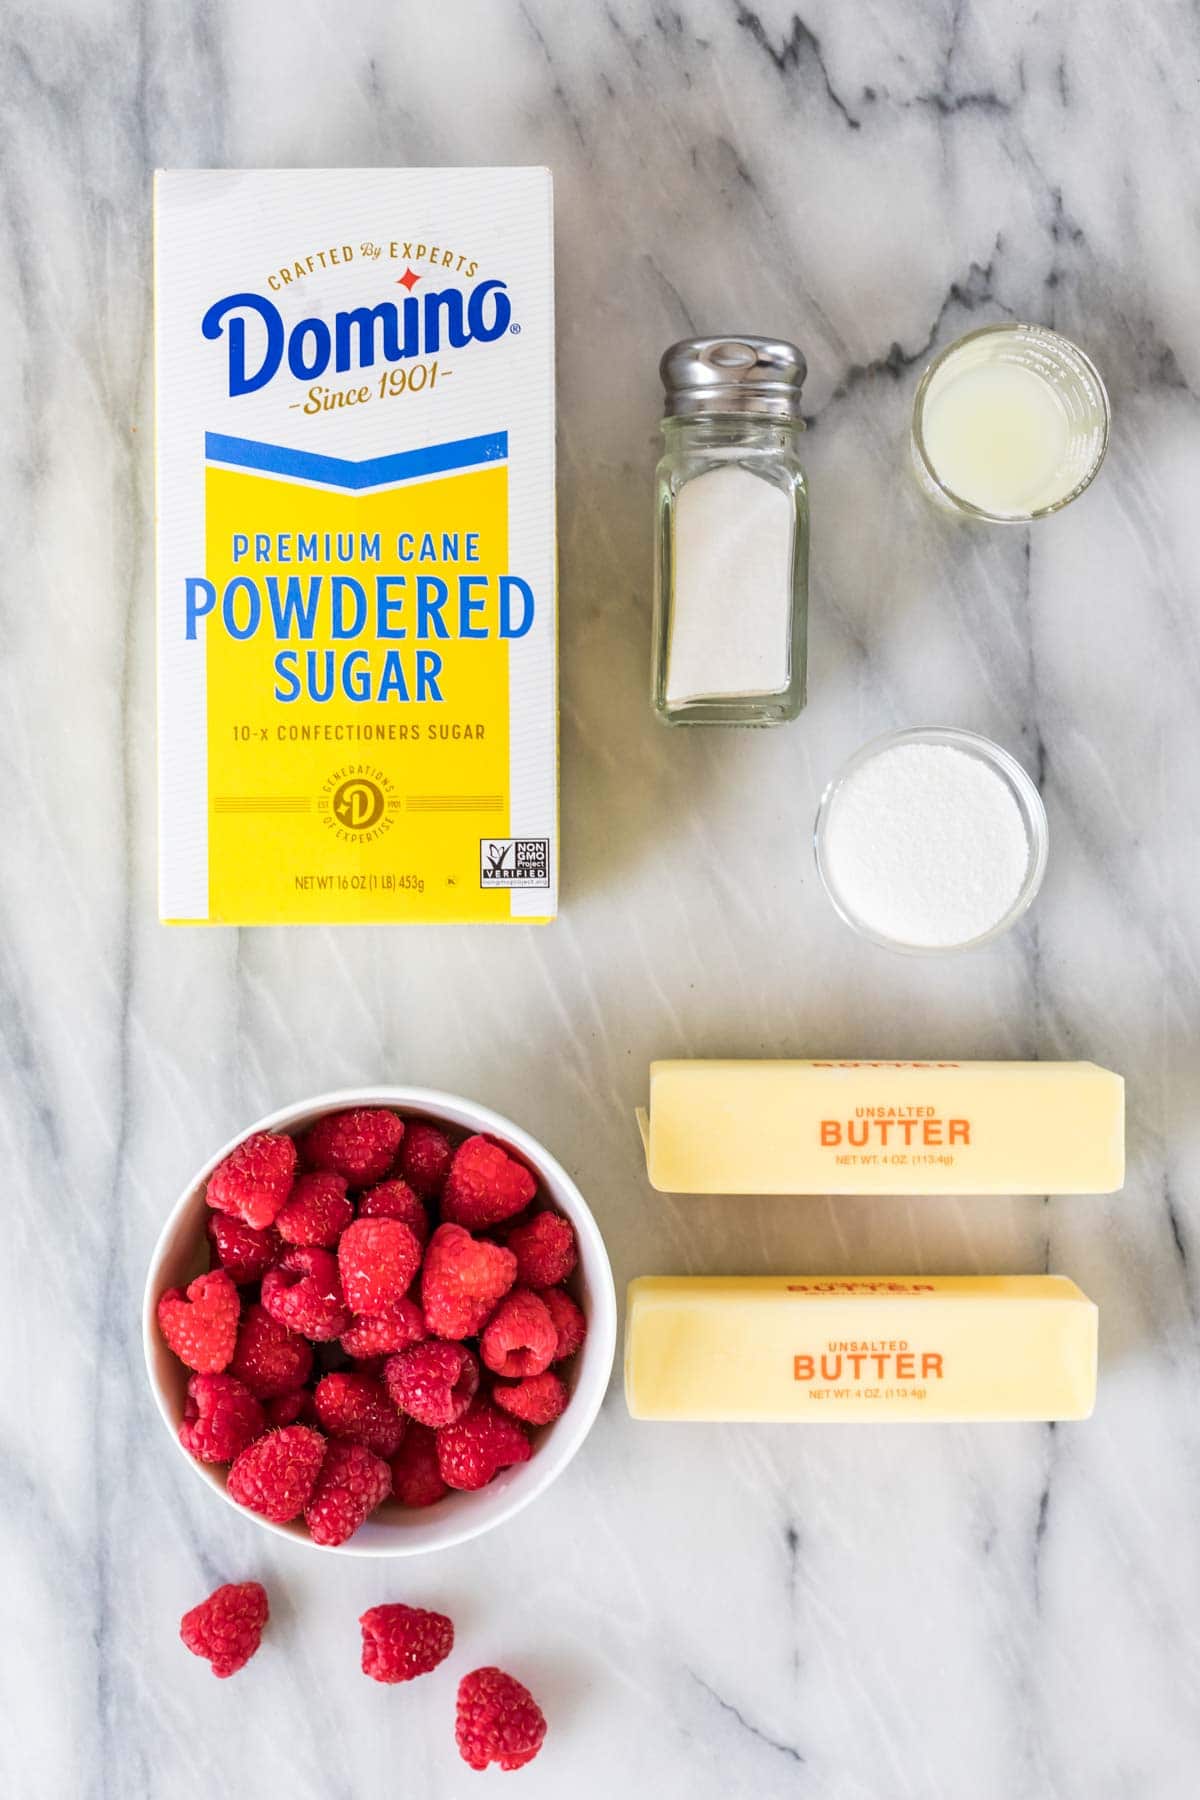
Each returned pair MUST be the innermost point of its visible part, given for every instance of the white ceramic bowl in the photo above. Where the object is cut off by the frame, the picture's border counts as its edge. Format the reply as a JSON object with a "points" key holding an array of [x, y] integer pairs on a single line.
{"points": [[182, 1253]]}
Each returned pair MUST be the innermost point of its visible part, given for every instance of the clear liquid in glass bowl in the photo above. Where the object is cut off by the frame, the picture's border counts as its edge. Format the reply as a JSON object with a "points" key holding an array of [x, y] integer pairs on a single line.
{"points": [[1009, 424]]}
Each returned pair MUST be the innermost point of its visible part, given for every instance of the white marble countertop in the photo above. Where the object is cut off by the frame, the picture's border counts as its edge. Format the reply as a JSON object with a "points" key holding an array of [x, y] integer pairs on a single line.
{"points": [[1003, 1613]]}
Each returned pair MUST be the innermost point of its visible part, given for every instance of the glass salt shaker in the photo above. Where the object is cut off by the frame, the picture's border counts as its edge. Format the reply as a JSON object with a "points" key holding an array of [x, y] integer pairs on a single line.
{"points": [[731, 549]]}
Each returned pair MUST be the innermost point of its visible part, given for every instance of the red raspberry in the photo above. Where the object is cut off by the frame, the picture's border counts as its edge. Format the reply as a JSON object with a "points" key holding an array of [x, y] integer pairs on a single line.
{"points": [[243, 1253], [361, 1144], [462, 1280], [352, 1483], [498, 1721], [276, 1475], [482, 1443], [201, 1326], [304, 1292], [269, 1359], [544, 1248], [396, 1200], [220, 1417], [569, 1322], [379, 1334], [537, 1400], [521, 1337], [416, 1477], [354, 1406], [255, 1179], [402, 1642], [226, 1629], [316, 1211], [425, 1158], [377, 1259], [485, 1185], [434, 1383], [295, 1408]]}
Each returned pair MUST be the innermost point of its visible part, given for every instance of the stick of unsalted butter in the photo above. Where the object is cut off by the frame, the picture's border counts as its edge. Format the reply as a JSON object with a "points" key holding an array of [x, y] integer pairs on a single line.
{"points": [[884, 1128], [878, 1349]]}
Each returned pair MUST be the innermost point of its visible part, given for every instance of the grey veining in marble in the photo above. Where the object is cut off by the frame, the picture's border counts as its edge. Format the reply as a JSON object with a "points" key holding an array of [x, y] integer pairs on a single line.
{"points": [[1005, 1613]]}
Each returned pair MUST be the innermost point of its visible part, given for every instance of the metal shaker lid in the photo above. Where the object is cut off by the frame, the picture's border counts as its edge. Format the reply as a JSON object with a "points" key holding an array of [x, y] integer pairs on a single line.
{"points": [[712, 375]]}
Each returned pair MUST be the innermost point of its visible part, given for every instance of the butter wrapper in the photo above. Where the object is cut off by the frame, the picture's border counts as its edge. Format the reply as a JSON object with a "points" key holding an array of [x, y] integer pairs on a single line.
{"points": [[862, 1127], [877, 1349]]}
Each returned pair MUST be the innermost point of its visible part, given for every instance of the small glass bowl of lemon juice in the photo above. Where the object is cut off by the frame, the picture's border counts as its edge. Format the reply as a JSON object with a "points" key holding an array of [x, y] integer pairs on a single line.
{"points": [[1009, 424]]}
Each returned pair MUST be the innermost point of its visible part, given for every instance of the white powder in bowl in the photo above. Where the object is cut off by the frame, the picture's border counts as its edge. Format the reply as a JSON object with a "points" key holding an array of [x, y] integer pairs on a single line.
{"points": [[925, 844]]}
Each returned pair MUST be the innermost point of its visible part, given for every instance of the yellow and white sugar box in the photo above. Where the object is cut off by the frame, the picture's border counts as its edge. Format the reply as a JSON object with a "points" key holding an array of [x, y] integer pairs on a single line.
{"points": [[356, 550]]}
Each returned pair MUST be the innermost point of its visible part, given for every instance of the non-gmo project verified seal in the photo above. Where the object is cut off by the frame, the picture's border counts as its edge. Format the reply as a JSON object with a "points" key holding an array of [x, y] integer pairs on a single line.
{"points": [[514, 862]]}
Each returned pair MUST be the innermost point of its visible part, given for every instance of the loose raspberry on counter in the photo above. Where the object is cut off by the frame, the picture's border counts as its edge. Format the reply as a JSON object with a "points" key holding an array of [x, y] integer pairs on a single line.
{"points": [[498, 1720], [316, 1211], [220, 1417], [521, 1338], [434, 1382], [482, 1443], [569, 1322], [295, 1408], [462, 1280], [255, 1179], [277, 1474], [544, 1248], [416, 1477], [243, 1253], [269, 1358], [538, 1400], [402, 1642], [396, 1200], [377, 1259], [485, 1185], [360, 1144], [304, 1292], [358, 1408], [425, 1158], [353, 1481], [226, 1629], [379, 1334], [201, 1325]]}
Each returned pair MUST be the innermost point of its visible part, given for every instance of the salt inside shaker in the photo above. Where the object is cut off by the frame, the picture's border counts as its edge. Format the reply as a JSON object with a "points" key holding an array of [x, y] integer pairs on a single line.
{"points": [[731, 563]]}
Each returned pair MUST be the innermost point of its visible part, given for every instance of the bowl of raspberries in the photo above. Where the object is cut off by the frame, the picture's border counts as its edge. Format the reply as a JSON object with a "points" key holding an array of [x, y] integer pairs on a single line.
{"points": [[380, 1322]]}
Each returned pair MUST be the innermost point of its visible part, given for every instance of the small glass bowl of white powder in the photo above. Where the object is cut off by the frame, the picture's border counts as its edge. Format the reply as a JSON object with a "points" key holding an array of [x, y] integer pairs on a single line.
{"points": [[931, 840]]}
